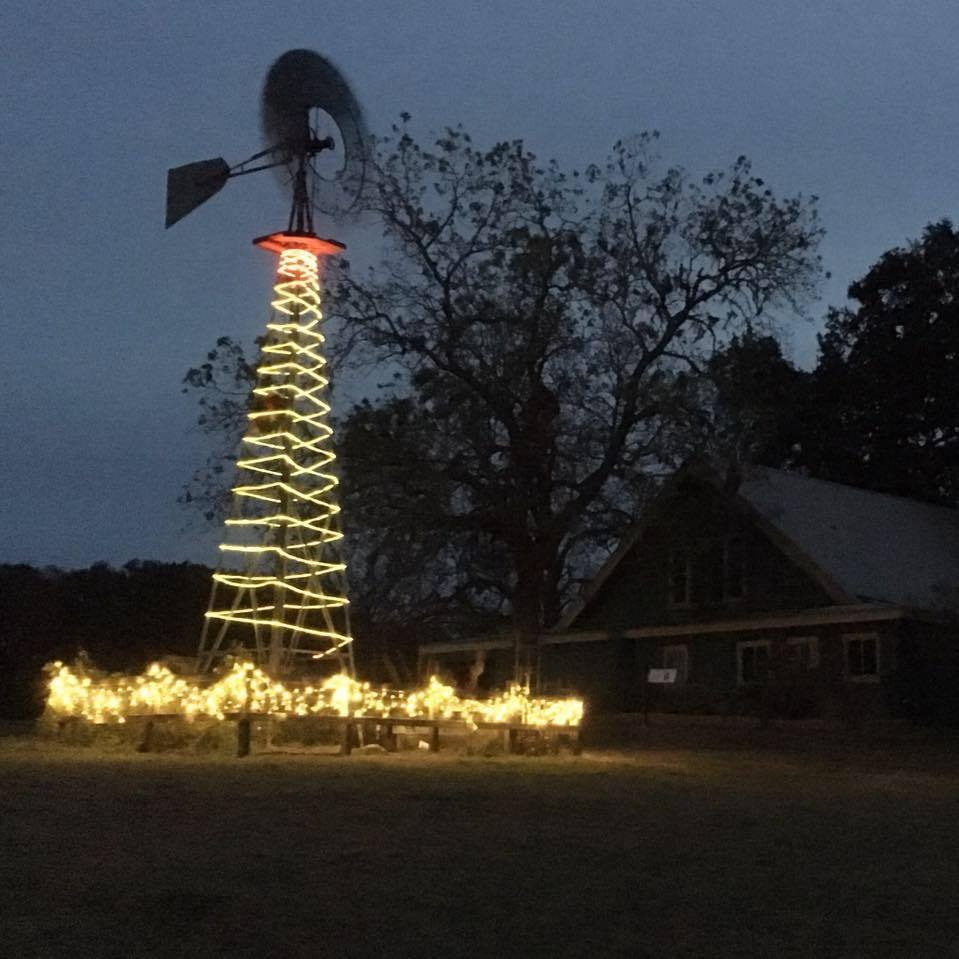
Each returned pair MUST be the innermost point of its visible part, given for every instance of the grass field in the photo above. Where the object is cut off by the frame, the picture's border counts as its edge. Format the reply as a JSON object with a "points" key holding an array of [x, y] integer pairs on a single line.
{"points": [[745, 848]]}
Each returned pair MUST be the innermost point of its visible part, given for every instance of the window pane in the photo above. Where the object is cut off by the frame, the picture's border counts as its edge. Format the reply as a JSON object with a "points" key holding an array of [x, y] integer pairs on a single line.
{"points": [[762, 661], [753, 663], [716, 564], [678, 576], [869, 657], [676, 657], [746, 663], [861, 656], [803, 653], [735, 567]]}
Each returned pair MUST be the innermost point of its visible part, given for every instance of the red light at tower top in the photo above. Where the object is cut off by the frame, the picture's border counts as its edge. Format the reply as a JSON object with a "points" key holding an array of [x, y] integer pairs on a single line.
{"points": [[295, 240]]}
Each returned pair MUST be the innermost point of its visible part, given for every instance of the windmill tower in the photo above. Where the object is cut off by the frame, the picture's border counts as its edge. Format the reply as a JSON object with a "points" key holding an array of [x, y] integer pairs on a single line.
{"points": [[280, 594]]}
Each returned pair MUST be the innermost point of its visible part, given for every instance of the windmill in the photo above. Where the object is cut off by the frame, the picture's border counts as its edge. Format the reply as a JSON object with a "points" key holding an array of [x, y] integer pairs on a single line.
{"points": [[280, 593]]}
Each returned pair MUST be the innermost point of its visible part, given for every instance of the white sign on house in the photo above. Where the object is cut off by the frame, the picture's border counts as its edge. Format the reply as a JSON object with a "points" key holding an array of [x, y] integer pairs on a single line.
{"points": [[662, 675]]}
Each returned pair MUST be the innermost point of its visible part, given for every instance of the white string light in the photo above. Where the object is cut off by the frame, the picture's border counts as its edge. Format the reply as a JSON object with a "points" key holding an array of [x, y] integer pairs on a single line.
{"points": [[291, 591], [248, 689]]}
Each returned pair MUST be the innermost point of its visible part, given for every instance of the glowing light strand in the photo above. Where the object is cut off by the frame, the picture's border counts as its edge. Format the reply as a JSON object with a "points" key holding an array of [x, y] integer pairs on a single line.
{"points": [[246, 688], [292, 591]]}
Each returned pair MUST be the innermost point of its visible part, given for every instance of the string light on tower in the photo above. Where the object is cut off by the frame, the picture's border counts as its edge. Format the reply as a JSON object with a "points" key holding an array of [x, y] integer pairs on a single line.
{"points": [[290, 596]]}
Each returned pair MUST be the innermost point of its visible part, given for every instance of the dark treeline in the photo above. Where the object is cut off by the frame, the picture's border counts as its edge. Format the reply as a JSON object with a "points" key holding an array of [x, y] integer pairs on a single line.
{"points": [[880, 410], [122, 618]]}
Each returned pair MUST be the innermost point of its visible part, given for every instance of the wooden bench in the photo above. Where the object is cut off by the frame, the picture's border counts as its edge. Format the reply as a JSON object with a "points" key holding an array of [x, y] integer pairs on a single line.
{"points": [[384, 727], [385, 731], [387, 735]]}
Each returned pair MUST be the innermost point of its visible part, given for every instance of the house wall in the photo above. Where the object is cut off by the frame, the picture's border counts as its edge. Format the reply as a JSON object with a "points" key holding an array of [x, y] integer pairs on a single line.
{"points": [[697, 517], [918, 660], [918, 663], [925, 684], [603, 674], [609, 675]]}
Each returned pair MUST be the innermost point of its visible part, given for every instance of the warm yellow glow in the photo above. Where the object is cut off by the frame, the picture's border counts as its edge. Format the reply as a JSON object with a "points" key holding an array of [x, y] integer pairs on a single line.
{"points": [[291, 588], [246, 688]]}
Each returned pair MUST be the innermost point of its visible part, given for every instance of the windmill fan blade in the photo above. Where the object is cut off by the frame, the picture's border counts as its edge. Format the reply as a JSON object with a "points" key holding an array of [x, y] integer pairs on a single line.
{"points": [[190, 185], [298, 82]]}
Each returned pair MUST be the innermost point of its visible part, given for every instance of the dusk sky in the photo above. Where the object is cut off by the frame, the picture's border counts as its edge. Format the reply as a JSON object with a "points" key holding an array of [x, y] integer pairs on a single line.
{"points": [[103, 310]]}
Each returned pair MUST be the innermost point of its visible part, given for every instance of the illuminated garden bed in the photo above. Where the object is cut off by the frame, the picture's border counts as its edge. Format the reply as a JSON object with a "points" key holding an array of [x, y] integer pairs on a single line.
{"points": [[247, 690]]}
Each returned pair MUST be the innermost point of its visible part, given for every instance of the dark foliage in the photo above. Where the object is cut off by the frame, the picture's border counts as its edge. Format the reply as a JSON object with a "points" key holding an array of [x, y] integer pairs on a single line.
{"points": [[222, 385], [880, 410], [751, 406], [886, 390]]}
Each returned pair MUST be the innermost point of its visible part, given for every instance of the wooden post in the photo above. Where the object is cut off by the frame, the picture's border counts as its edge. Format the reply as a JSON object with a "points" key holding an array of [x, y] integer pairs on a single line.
{"points": [[71, 729], [765, 701], [388, 738], [243, 736], [512, 741], [435, 739], [346, 739], [646, 685], [268, 732], [146, 744]]}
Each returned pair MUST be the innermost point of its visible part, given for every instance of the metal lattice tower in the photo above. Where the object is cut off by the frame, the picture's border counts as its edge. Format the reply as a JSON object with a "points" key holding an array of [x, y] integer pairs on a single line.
{"points": [[281, 593]]}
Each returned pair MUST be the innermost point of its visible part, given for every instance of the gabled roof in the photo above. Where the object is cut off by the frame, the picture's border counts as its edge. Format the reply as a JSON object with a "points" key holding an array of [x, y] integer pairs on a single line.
{"points": [[877, 547], [859, 545]]}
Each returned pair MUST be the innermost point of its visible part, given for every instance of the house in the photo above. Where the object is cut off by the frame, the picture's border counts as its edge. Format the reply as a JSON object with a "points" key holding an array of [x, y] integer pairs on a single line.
{"points": [[772, 593]]}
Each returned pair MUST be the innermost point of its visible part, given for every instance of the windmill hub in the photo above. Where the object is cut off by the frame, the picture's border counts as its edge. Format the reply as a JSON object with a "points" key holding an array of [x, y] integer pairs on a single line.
{"points": [[318, 146]]}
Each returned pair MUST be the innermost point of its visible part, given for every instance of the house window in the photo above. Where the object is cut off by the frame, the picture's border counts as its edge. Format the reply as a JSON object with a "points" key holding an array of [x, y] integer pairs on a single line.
{"points": [[802, 652], [734, 567], [752, 661], [716, 564], [862, 658], [677, 657], [680, 577], [727, 569]]}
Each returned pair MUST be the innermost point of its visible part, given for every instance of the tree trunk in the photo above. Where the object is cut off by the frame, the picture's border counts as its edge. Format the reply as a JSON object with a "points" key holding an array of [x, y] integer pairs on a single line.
{"points": [[531, 570]]}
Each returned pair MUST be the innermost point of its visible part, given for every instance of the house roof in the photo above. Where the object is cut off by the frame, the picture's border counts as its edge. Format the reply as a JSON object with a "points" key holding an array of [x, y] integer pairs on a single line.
{"points": [[877, 547], [858, 544]]}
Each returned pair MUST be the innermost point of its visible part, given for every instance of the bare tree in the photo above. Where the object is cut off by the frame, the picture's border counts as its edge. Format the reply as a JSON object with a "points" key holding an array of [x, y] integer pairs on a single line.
{"points": [[545, 326], [545, 322]]}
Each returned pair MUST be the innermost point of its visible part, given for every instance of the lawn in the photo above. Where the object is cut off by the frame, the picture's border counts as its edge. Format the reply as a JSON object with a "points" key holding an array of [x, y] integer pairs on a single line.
{"points": [[667, 851]]}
